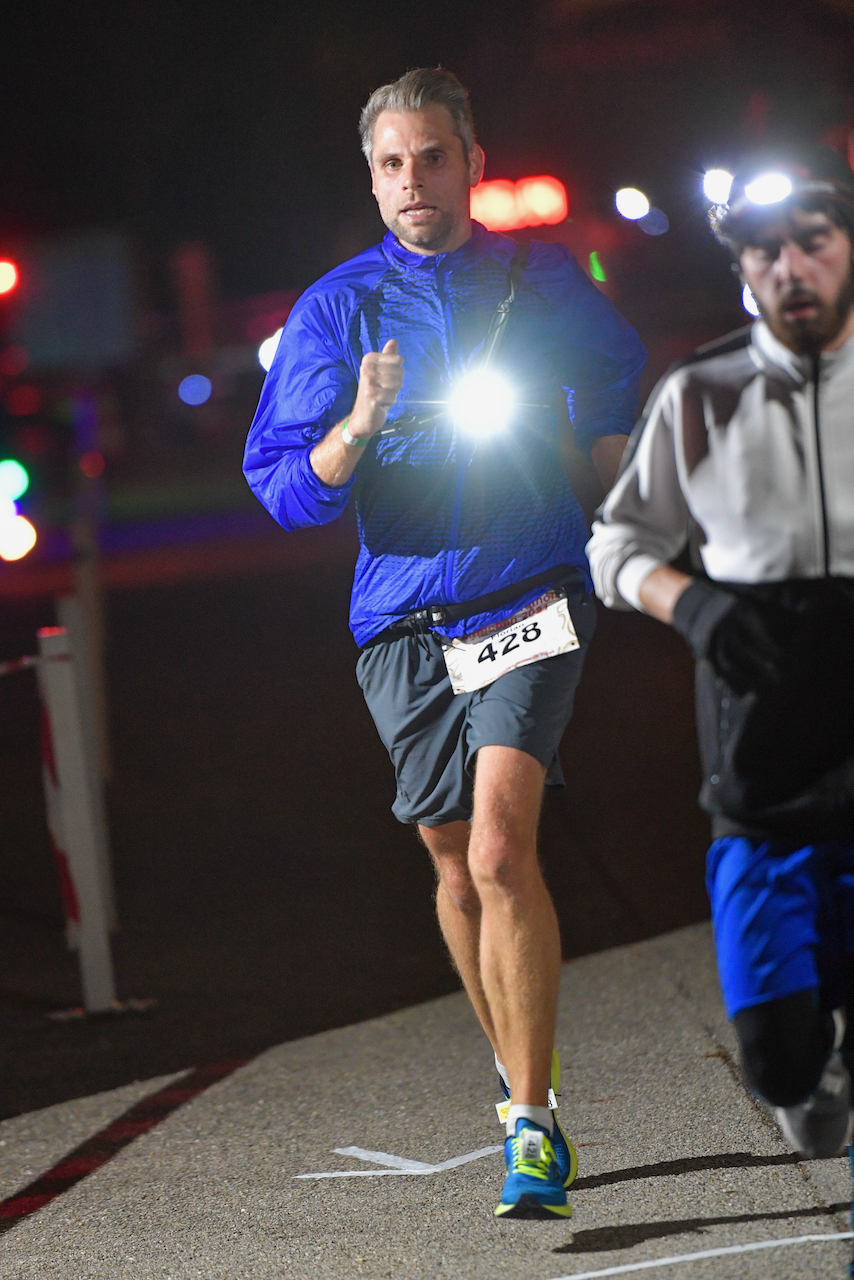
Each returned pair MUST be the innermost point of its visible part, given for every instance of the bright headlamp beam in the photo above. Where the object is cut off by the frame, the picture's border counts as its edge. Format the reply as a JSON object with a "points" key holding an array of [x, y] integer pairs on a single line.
{"points": [[768, 188], [716, 185], [481, 402]]}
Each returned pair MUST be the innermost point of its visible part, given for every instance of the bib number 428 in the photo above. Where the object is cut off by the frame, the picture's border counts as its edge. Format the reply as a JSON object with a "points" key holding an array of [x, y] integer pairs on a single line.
{"points": [[528, 634]]}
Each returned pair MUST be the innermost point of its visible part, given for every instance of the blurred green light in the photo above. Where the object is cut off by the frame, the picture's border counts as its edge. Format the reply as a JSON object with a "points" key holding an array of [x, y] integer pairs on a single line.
{"points": [[596, 269], [13, 479]]}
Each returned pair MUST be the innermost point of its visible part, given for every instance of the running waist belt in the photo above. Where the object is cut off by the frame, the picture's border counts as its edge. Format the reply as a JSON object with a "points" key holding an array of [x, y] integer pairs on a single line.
{"points": [[444, 615]]}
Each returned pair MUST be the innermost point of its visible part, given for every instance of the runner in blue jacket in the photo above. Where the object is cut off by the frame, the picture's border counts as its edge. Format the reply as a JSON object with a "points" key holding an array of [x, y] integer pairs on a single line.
{"points": [[471, 598]]}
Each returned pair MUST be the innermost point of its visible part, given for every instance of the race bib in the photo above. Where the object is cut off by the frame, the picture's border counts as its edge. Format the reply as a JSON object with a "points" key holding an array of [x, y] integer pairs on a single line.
{"points": [[542, 629]]}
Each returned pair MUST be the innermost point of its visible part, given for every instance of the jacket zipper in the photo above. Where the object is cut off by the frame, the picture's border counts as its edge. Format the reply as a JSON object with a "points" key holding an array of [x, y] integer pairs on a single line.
{"points": [[825, 535], [456, 508]]}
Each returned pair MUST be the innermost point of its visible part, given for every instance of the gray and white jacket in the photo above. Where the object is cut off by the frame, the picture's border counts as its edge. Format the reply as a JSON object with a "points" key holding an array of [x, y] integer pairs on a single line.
{"points": [[740, 442]]}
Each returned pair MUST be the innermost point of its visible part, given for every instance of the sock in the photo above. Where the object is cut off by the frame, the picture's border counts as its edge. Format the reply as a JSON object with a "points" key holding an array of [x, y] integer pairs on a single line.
{"points": [[502, 1071], [537, 1115]]}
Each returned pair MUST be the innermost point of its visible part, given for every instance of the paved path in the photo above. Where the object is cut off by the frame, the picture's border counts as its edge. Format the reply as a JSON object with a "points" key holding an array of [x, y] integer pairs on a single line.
{"points": [[676, 1158]]}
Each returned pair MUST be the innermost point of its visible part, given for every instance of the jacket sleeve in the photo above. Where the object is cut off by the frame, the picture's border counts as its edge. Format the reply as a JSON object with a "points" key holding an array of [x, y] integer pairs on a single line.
{"points": [[644, 521], [310, 386], [599, 360]]}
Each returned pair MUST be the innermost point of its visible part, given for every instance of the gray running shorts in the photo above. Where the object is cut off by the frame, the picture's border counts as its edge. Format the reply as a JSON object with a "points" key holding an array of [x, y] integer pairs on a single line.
{"points": [[433, 734]]}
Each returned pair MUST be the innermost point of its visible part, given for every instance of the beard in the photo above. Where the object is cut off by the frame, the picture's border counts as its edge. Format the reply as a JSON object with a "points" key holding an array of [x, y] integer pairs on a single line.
{"points": [[811, 335], [433, 237]]}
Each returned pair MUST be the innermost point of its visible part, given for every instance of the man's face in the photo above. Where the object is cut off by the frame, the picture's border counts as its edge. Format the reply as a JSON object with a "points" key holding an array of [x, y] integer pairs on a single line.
{"points": [[800, 274], [422, 178]]}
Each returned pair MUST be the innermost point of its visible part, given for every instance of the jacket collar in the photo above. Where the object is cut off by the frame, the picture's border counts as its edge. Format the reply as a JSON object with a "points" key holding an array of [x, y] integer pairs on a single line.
{"points": [[479, 244], [768, 350]]}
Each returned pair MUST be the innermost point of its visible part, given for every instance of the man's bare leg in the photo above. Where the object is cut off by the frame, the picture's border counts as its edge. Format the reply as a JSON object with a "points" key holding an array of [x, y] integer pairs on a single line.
{"points": [[519, 938], [497, 917], [458, 909]]}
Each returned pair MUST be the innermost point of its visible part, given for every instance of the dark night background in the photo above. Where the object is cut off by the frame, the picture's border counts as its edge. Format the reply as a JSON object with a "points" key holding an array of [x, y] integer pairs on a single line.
{"points": [[265, 891]]}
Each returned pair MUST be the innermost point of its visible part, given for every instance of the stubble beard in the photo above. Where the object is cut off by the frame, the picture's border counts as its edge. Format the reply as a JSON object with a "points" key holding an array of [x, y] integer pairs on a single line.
{"points": [[434, 237]]}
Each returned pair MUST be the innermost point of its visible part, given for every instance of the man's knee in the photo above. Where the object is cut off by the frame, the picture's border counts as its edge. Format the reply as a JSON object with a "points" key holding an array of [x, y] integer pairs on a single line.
{"points": [[784, 1046], [503, 861], [448, 849]]}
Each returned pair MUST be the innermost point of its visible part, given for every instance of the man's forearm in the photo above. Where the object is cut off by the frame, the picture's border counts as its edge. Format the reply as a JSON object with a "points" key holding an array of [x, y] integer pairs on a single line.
{"points": [[660, 591], [333, 460]]}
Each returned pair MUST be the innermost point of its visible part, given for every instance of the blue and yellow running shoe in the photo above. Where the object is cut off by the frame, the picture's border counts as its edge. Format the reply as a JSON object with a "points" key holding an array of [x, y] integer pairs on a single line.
{"points": [[565, 1153], [533, 1188]]}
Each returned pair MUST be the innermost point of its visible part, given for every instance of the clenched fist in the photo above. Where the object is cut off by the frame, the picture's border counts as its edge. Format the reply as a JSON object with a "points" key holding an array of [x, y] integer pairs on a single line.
{"points": [[380, 380]]}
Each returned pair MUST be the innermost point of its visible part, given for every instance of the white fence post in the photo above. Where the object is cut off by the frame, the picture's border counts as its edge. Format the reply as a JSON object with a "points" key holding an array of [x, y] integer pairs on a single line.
{"points": [[71, 615], [75, 809]]}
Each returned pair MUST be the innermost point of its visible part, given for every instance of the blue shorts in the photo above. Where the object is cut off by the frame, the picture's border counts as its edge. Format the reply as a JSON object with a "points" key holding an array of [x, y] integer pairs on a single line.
{"points": [[783, 919]]}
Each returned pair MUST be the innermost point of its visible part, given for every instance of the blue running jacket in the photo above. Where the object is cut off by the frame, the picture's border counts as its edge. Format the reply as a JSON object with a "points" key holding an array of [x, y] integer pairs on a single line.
{"points": [[444, 518]]}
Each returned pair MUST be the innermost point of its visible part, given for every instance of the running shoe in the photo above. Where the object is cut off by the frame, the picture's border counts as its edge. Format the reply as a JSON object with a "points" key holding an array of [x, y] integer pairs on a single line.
{"points": [[820, 1126], [533, 1187], [565, 1153]]}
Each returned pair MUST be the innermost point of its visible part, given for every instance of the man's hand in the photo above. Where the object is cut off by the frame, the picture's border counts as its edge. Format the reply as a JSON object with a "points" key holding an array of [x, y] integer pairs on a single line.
{"points": [[738, 635], [380, 378]]}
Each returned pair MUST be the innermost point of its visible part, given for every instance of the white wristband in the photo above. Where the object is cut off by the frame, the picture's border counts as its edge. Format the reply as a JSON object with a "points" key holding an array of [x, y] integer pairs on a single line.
{"points": [[348, 439]]}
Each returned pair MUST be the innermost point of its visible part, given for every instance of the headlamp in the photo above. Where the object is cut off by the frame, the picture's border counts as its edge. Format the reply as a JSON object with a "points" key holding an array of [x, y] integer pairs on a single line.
{"points": [[768, 188], [717, 184], [765, 185], [481, 402]]}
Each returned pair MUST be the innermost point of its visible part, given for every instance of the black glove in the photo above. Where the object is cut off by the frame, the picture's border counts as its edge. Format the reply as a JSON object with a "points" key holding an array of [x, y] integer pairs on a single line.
{"points": [[733, 632]]}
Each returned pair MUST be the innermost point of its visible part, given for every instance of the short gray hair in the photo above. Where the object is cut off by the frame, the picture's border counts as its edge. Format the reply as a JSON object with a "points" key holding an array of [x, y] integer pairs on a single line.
{"points": [[415, 91]]}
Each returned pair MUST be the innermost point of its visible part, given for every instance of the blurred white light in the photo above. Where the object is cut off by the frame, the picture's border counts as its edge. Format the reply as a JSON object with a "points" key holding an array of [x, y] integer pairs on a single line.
{"points": [[716, 185], [267, 350], [8, 509], [481, 402], [768, 188], [17, 537], [748, 301], [196, 389], [631, 203], [13, 478]]}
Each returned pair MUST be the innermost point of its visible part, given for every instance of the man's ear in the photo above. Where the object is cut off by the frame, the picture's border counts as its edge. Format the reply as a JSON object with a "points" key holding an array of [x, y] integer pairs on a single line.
{"points": [[476, 162]]}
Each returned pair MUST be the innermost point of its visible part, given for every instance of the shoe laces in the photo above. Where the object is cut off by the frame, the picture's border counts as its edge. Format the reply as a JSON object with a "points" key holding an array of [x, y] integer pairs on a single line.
{"points": [[535, 1167]]}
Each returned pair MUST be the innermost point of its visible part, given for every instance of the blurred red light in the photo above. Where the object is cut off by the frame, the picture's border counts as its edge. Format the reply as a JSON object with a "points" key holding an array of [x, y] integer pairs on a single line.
{"points": [[494, 204], [92, 464], [543, 199], [24, 400], [8, 275], [508, 206], [13, 360]]}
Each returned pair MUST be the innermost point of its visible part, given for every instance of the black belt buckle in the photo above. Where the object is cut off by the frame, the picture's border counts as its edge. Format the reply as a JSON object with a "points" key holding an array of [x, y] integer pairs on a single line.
{"points": [[422, 620]]}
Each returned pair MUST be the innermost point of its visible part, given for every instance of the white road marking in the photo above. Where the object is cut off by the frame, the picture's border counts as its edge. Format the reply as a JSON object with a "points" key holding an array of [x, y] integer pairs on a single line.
{"points": [[390, 1162], [706, 1253], [397, 1164]]}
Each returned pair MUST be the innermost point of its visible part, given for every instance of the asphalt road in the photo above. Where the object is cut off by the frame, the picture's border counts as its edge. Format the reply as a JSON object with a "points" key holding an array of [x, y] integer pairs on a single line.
{"points": [[265, 891], [676, 1158]]}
